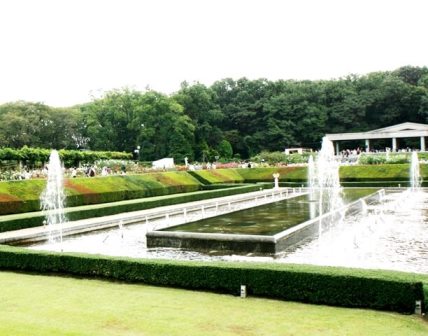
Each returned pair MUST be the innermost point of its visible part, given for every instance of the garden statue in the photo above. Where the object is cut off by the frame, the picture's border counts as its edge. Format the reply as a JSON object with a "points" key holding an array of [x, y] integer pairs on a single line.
{"points": [[276, 176]]}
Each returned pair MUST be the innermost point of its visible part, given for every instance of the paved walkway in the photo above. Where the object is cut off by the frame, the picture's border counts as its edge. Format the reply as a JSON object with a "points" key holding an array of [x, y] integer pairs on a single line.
{"points": [[90, 224]]}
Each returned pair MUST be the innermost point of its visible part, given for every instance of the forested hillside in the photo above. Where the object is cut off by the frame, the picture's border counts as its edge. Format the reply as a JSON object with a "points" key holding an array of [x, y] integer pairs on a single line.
{"points": [[229, 118]]}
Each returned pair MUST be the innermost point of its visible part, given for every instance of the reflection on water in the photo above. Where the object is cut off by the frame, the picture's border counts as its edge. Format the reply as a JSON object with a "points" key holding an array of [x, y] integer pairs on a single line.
{"points": [[389, 235], [268, 219]]}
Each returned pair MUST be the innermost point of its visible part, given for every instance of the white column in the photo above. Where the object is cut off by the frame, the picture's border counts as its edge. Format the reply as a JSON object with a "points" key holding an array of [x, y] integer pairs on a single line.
{"points": [[337, 147], [422, 144], [394, 144], [367, 145]]}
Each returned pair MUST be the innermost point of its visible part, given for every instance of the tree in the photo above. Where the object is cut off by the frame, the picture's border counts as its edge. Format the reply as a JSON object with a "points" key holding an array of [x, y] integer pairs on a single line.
{"points": [[225, 149], [125, 120], [242, 103], [410, 75], [111, 121], [62, 130], [296, 116], [37, 125], [199, 105]]}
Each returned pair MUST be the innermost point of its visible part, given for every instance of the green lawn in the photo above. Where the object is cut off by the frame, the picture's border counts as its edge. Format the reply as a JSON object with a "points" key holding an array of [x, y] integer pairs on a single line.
{"points": [[51, 305]]}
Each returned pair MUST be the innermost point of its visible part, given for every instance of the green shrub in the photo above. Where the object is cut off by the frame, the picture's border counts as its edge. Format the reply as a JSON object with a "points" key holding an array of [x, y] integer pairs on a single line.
{"points": [[310, 284], [274, 158], [269, 157], [371, 159], [383, 158]]}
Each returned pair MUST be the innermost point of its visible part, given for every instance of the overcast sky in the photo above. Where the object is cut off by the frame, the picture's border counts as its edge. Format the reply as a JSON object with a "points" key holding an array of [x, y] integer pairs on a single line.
{"points": [[61, 52]]}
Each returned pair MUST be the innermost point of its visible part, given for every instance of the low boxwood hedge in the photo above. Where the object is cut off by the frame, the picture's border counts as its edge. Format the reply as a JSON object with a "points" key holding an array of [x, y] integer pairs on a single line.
{"points": [[310, 284]]}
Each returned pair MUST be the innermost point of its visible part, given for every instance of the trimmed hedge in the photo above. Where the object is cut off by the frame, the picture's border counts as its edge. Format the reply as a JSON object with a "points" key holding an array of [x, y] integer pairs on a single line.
{"points": [[23, 196], [250, 175], [310, 284], [286, 174], [70, 157], [27, 220], [298, 174], [214, 176], [360, 173]]}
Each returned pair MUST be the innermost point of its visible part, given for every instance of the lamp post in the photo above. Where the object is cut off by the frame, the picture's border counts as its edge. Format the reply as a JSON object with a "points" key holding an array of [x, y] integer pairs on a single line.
{"points": [[140, 148]]}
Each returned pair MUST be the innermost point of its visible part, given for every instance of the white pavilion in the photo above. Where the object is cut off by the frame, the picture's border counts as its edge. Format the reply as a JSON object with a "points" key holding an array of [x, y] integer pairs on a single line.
{"points": [[404, 130]]}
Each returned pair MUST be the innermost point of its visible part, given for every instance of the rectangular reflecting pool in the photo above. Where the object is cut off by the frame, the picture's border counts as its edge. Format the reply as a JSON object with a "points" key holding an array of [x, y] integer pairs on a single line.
{"points": [[265, 229], [267, 219]]}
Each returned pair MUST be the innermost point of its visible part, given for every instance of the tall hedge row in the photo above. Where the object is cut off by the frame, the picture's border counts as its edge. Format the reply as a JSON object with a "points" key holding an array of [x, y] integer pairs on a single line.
{"points": [[69, 157], [307, 284]]}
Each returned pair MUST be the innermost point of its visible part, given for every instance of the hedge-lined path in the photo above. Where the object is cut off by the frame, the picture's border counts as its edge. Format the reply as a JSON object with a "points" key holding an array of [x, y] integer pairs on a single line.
{"points": [[233, 203]]}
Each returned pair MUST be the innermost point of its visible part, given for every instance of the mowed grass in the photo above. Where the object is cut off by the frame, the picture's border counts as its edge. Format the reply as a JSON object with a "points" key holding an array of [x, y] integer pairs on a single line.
{"points": [[52, 305]]}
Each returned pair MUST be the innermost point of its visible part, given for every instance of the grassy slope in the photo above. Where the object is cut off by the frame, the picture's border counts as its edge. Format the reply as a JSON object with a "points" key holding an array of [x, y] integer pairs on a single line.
{"points": [[395, 172], [31, 189], [23, 196], [392, 172], [219, 176], [265, 174], [48, 305], [251, 174]]}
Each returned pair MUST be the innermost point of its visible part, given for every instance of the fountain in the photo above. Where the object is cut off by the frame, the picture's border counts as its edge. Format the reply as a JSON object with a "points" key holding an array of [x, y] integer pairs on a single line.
{"points": [[312, 180], [324, 183], [327, 178], [52, 198], [415, 178], [382, 230], [311, 177]]}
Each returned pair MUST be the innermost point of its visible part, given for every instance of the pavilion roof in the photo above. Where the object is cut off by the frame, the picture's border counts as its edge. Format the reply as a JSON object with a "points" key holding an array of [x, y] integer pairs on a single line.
{"points": [[403, 130]]}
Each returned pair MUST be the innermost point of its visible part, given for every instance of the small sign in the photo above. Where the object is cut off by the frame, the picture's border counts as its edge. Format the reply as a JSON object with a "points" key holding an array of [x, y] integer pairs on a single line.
{"points": [[243, 291], [418, 306]]}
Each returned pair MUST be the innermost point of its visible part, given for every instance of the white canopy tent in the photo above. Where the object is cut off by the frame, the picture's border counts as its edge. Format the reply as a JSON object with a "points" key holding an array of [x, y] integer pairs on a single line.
{"points": [[165, 163]]}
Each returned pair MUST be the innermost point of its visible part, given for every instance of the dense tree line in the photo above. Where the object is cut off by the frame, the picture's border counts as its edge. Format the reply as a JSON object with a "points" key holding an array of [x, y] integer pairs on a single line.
{"points": [[231, 117]]}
